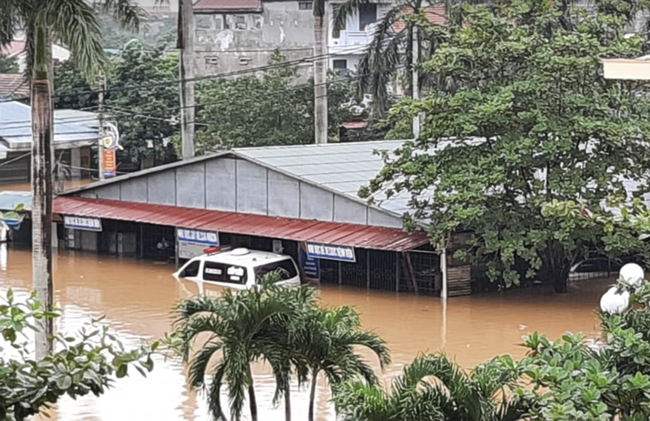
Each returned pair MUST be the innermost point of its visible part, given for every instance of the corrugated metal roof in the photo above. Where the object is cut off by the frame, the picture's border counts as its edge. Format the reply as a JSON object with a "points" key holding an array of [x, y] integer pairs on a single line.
{"points": [[218, 5], [351, 235], [342, 167], [12, 85], [9, 200], [16, 128]]}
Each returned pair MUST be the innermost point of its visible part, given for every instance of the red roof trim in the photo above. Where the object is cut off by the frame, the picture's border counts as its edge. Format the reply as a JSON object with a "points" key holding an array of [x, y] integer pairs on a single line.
{"points": [[362, 236]]}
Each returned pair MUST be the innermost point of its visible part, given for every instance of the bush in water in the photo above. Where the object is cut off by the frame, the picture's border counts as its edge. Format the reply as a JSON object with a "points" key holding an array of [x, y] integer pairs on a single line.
{"points": [[83, 364]]}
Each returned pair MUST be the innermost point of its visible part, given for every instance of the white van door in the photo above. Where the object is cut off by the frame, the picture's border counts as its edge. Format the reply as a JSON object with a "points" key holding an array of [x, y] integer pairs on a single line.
{"points": [[191, 271]]}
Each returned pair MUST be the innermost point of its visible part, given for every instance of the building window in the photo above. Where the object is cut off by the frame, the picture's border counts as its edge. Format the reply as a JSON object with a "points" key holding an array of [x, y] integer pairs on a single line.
{"points": [[305, 5], [240, 22], [340, 66], [336, 31], [367, 15]]}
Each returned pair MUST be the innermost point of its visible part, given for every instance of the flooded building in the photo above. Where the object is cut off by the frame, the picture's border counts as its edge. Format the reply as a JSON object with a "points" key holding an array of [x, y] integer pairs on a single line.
{"points": [[299, 200]]}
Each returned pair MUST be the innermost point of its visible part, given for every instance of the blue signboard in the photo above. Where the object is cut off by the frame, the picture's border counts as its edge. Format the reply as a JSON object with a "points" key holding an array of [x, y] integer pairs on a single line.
{"points": [[208, 238], [309, 266], [324, 251], [82, 223]]}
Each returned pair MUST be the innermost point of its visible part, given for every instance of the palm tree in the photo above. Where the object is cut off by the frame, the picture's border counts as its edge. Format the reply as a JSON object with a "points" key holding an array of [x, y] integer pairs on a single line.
{"points": [[434, 388], [326, 339], [236, 324], [278, 348], [397, 43], [75, 24]]}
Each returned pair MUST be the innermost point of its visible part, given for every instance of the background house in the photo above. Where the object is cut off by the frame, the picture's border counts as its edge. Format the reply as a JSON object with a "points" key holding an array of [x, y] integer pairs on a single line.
{"points": [[73, 141], [17, 50], [235, 35]]}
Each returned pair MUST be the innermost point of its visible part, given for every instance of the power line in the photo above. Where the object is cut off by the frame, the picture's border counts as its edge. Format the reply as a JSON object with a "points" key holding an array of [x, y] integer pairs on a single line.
{"points": [[200, 78], [146, 114]]}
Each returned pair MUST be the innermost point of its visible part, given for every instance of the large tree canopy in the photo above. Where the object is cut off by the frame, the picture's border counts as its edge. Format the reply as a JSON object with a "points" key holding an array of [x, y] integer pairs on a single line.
{"points": [[531, 121]]}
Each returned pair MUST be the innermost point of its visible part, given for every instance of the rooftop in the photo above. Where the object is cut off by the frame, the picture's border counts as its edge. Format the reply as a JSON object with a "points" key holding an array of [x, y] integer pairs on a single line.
{"points": [[9, 200], [244, 257], [16, 128], [435, 15], [13, 85], [208, 6], [342, 167]]}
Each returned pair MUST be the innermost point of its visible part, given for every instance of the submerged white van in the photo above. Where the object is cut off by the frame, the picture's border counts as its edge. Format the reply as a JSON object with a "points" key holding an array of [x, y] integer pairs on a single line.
{"points": [[239, 268]]}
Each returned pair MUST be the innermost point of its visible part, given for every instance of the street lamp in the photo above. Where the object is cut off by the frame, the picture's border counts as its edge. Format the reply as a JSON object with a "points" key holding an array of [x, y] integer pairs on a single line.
{"points": [[617, 299], [614, 301]]}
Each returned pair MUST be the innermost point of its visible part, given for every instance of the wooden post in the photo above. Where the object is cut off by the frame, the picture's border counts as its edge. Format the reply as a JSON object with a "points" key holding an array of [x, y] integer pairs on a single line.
{"points": [[396, 272], [443, 269], [408, 266]]}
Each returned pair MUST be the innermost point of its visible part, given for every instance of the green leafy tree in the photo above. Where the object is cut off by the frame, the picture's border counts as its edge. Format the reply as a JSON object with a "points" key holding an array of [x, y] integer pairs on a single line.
{"points": [[609, 379], [85, 363], [326, 340], [145, 113], [532, 121], [434, 388], [8, 64], [264, 110], [72, 90]]}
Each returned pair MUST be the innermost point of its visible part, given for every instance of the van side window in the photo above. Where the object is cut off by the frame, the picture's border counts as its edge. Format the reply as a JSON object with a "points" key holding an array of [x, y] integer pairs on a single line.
{"points": [[192, 269], [285, 268], [219, 272]]}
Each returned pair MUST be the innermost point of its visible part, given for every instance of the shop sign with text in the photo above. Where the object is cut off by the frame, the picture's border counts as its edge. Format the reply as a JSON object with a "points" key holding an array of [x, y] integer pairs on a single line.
{"points": [[324, 251], [82, 223]]}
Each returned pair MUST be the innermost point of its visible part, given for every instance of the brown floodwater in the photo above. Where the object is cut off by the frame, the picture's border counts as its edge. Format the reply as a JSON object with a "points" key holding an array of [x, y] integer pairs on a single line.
{"points": [[137, 296]]}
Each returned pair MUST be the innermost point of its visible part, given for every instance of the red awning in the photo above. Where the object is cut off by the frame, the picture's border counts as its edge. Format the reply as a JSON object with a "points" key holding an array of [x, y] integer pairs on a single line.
{"points": [[331, 233]]}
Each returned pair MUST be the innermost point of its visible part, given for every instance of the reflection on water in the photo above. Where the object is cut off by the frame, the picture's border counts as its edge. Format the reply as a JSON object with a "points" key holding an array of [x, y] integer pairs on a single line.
{"points": [[137, 298]]}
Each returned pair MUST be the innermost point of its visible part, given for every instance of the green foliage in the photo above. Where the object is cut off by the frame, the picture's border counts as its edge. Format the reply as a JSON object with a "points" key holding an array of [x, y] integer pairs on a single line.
{"points": [[144, 113], [531, 120], [71, 88], [82, 364], [275, 108], [283, 326], [434, 388], [8, 65]]}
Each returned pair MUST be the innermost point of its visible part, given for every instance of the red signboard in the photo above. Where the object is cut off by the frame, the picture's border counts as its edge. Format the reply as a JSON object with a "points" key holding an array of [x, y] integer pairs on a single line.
{"points": [[110, 167]]}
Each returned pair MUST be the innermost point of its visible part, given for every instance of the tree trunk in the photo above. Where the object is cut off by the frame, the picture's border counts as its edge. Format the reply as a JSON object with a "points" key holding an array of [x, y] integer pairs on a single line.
{"points": [[312, 396], [555, 267], [42, 158], [287, 403], [252, 401], [320, 78]]}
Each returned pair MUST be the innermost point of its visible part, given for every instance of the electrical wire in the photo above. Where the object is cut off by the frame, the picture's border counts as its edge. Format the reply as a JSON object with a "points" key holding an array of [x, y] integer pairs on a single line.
{"points": [[146, 114], [15, 159], [201, 78]]}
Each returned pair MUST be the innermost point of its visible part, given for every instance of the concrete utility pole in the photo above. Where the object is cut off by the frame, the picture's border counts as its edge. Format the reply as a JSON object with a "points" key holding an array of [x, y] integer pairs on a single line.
{"points": [[100, 145], [185, 43], [415, 81], [42, 188], [320, 73]]}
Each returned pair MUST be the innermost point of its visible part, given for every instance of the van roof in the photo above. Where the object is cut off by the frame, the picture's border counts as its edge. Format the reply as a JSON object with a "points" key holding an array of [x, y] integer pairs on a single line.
{"points": [[244, 257]]}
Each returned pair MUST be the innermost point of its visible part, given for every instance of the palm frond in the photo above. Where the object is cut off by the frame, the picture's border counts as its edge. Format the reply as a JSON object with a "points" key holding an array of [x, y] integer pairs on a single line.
{"points": [[380, 61], [200, 362], [75, 24], [12, 14], [214, 396], [359, 401], [342, 11], [125, 12]]}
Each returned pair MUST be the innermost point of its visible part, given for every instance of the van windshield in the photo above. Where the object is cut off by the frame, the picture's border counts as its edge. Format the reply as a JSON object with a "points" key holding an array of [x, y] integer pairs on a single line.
{"points": [[285, 268]]}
